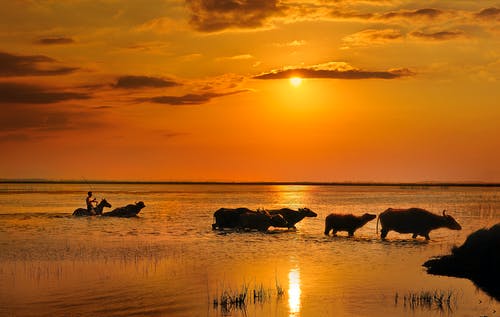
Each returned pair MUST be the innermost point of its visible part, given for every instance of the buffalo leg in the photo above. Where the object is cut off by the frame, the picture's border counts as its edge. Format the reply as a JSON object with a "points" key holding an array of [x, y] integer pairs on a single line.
{"points": [[383, 233], [351, 233], [426, 235], [414, 236], [327, 230]]}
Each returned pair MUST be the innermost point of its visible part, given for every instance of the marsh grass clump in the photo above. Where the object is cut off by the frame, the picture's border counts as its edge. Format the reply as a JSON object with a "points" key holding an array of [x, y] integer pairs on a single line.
{"points": [[260, 294], [279, 289], [229, 300], [440, 300]]}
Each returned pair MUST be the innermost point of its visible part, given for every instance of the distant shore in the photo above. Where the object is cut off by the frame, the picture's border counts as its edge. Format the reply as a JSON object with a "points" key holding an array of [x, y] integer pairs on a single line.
{"points": [[298, 183]]}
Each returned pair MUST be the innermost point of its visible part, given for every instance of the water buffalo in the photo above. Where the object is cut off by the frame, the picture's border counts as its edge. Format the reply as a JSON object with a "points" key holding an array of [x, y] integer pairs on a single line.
{"points": [[478, 259], [97, 210], [260, 220], [414, 220], [244, 218], [228, 217], [293, 216], [349, 223], [126, 212]]}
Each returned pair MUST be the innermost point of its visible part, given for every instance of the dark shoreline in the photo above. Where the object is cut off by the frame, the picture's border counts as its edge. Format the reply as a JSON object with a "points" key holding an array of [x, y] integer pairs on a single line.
{"points": [[380, 184]]}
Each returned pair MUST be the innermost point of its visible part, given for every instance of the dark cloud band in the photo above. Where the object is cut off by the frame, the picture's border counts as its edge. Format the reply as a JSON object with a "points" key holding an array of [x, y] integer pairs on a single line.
{"points": [[31, 65], [211, 16], [438, 36], [13, 93], [131, 82], [188, 99], [335, 74], [55, 41]]}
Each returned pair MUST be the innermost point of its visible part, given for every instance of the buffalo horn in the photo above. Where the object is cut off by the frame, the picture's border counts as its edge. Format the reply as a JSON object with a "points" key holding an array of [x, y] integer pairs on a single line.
{"points": [[444, 212]]}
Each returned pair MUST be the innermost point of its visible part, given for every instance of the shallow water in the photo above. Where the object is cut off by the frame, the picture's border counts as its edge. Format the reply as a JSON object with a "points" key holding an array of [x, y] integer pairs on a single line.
{"points": [[168, 261]]}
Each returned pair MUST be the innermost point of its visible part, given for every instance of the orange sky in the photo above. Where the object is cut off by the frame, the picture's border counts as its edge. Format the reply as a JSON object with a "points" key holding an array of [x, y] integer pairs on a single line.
{"points": [[199, 90]]}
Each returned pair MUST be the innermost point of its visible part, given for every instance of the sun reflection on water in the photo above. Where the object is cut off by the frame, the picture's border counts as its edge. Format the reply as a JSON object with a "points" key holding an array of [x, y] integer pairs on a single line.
{"points": [[294, 292]]}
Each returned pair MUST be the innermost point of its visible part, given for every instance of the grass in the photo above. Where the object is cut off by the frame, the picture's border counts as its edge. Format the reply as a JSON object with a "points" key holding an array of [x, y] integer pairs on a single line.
{"points": [[437, 299], [229, 299]]}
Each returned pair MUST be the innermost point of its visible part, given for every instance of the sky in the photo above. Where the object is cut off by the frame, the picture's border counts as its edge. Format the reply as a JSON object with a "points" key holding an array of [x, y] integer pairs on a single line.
{"points": [[201, 90]]}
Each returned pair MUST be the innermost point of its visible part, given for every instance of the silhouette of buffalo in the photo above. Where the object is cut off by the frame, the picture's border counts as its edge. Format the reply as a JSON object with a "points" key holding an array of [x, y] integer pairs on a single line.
{"points": [[414, 220], [293, 216], [244, 218], [126, 212], [228, 217], [260, 220], [349, 223], [477, 259]]}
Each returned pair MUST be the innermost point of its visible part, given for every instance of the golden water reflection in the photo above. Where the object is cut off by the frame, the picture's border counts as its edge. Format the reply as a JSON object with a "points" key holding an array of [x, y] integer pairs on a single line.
{"points": [[294, 292]]}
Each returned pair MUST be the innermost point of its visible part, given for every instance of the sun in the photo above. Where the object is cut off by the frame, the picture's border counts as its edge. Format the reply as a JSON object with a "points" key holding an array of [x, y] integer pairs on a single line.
{"points": [[295, 81]]}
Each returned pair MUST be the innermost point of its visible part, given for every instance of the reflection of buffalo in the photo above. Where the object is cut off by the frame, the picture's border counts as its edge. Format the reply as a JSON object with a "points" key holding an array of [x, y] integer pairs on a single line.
{"points": [[293, 216], [244, 218], [414, 220], [477, 259], [126, 212], [349, 223]]}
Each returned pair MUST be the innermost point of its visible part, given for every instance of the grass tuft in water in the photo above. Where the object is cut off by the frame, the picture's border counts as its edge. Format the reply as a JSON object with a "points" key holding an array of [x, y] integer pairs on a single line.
{"points": [[229, 299], [437, 299]]}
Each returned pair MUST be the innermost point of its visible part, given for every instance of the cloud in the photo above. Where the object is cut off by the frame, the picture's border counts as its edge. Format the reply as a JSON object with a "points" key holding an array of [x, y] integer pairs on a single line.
{"points": [[24, 122], [212, 16], [438, 36], [153, 47], [31, 65], [416, 15], [160, 25], [371, 36], [428, 13], [340, 14], [225, 82], [235, 58], [489, 14], [335, 70], [31, 94], [55, 41], [188, 99], [132, 82], [295, 43]]}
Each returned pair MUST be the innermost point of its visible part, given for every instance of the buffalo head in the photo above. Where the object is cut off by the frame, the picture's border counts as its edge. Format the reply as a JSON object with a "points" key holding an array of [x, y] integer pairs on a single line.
{"points": [[140, 204], [367, 217], [450, 222], [306, 212]]}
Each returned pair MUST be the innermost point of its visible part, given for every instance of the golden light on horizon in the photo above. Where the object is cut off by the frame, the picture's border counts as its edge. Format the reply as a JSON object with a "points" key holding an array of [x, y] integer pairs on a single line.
{"points": [[295, 81]]}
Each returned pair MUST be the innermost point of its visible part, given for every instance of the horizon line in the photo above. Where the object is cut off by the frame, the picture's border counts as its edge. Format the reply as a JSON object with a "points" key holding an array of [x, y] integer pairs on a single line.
{"points": [[311, 183]]}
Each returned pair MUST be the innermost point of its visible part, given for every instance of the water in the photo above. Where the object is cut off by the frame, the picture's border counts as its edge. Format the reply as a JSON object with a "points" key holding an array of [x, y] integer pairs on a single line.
{"points": [[168, 261]]}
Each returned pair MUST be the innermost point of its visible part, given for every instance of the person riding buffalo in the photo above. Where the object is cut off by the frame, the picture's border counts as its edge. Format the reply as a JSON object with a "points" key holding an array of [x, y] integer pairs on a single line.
{"points": [[91, 202]]}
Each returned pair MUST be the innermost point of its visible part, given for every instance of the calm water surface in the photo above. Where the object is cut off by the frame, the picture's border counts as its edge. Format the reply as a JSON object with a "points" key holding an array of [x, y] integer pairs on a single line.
{"points": [[168, 261]]}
